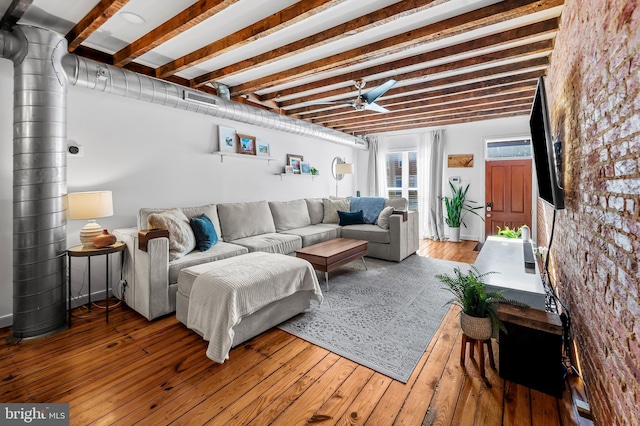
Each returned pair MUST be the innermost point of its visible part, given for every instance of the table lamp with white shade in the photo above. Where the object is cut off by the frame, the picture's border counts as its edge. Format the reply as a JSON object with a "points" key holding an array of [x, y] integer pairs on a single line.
{"points": [[339, 168], [90, 206]]}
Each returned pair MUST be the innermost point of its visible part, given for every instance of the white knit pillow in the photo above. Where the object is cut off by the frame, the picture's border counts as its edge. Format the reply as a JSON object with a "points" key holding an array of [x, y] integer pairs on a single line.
{"points": [[181, 237], [383, 218], [331, 207]]}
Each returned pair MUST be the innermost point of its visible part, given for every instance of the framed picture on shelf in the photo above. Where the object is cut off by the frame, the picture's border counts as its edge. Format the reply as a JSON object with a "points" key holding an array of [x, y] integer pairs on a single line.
{"points": [[226, 139], [263, 149], [304, 168], [294, 161], [246, 144], [288, 170]]}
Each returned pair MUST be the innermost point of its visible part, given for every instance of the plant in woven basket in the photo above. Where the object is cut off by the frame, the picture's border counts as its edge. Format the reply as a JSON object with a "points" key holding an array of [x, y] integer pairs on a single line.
{"points": [[471, 295]]}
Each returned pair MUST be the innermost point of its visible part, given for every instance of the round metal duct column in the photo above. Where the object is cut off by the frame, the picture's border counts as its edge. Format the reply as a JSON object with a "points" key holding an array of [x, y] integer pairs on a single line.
{"points": [[39, 184]]}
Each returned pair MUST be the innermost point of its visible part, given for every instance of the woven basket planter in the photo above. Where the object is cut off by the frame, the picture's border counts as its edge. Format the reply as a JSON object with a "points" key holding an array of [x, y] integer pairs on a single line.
{"points": [[476, 328]]}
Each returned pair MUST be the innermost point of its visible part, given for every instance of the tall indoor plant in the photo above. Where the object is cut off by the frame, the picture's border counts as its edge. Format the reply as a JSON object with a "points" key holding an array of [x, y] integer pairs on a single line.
{"points": [[479, 316], [457, 207]]}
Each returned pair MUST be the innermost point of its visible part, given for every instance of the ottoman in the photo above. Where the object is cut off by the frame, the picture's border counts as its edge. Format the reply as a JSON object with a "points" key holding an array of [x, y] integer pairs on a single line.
{"points": [[232, 300]]}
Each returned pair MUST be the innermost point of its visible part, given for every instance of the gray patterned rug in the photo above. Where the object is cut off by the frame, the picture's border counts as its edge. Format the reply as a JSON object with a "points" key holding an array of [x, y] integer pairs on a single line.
{"points": [[383, 318]]}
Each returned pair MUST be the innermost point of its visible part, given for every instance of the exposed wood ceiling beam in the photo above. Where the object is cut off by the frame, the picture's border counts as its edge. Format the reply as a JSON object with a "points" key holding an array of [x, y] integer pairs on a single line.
{"points": [[498, 84], [495, 40], [500, 12], [469, 118], [444, 104], [14, 12], [433, 98], [542, 46], [515, 67], [479, 114], [360, 24], [92, 21], [524, 102], [282, 19], [188, 18]]}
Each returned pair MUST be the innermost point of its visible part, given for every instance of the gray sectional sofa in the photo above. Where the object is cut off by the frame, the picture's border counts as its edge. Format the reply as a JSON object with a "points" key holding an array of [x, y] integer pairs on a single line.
{"points": [[151, 271]]}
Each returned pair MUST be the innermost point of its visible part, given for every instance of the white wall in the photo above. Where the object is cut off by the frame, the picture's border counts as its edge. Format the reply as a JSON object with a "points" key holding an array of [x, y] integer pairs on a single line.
{"points": [[461, 139], [154, 156]]}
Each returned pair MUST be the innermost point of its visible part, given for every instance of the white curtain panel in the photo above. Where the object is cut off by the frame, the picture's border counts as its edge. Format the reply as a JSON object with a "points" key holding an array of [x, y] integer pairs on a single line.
{"points": [[430, 165], [377, 168]]}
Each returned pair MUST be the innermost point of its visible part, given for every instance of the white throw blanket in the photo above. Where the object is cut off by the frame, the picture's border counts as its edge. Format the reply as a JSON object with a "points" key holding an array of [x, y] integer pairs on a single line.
{"points": [[239, 286]]}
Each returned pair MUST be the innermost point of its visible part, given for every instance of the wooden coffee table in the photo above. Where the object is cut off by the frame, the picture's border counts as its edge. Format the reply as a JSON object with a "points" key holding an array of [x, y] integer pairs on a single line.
{"points": [[332, 254]]}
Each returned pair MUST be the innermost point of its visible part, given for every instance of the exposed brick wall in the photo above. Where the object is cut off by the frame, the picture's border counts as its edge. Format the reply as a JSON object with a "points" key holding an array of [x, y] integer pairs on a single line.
{"points": [[594, 90]]}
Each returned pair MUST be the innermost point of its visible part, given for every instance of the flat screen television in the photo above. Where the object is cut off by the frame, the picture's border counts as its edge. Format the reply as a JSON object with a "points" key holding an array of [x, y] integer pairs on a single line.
{"points": [[547, 152]]}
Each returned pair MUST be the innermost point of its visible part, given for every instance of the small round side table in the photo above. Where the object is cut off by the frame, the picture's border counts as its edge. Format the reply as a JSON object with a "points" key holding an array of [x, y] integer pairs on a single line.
{"points": [[89, 252]]}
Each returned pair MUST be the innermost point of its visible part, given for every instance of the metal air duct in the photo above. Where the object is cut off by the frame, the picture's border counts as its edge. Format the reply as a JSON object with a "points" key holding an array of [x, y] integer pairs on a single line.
{"points": [[94, 75], [39, 179]]}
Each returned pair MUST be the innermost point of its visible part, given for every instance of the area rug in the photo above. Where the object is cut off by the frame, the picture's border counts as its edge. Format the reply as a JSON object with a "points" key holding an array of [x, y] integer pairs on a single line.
{"points": [[382, 318]]}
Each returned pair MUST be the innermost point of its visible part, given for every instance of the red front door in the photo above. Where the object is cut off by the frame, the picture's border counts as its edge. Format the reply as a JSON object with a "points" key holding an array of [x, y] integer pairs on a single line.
{"points": [[508, 195]]}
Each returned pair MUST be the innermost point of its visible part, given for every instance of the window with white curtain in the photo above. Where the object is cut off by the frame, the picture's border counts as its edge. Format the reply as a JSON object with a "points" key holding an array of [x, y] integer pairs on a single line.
{"points": [[402, 176]]}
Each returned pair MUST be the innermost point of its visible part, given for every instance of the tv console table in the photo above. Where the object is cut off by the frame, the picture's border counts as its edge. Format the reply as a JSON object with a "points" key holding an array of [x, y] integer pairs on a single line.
{"points": [[531, 350], [506, 257]]}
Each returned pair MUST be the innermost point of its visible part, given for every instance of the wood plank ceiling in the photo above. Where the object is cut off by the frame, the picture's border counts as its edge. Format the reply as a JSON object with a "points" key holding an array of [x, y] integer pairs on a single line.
{"points": [[455, 61]]}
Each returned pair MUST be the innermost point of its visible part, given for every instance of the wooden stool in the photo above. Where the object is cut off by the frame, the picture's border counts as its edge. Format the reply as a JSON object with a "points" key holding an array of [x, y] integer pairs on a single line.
{"points": [[480, 343]]}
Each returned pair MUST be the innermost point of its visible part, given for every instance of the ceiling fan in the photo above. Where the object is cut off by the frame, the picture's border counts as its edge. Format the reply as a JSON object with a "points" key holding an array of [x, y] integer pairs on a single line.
{"points": [[367, 100]]}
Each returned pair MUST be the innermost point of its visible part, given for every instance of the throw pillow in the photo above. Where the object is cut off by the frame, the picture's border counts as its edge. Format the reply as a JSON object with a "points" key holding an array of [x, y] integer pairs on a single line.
{"points": [[181, 237], [383, 219], [331, 208], [351, 218], [204, 232]]}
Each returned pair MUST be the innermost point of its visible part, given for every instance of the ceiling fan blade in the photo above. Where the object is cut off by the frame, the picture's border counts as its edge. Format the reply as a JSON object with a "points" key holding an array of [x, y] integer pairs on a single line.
{"points": [[374, 94], [375, 107]]}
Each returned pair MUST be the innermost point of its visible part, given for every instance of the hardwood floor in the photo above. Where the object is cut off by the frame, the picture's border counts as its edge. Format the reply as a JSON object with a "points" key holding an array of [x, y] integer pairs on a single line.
{"points": [[154, 373]]}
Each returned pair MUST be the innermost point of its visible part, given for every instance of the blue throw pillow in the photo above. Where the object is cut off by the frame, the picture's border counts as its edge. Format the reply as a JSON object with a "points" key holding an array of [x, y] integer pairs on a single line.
{"points": [[350, 218], [204, 231]]}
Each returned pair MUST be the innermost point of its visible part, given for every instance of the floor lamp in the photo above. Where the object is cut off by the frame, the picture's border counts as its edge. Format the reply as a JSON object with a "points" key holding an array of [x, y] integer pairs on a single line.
{"points": [[339, 168]]}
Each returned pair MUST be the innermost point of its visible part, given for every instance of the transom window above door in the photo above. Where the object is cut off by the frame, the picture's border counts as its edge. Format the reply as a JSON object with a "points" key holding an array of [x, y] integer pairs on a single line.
{"points": [[505, 148]]}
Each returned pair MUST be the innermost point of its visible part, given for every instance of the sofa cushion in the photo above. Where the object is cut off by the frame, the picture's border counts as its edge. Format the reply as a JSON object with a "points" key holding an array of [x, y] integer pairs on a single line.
{"points": [[289, 214], [210, 210], [383, 218], [331, 207], [399, 203], [241, 220], [368, 232], [370, 206], [204, 231], [219, 251], [271, 243], [316, 210], [181, 237], [314, 234], [350, 218]]}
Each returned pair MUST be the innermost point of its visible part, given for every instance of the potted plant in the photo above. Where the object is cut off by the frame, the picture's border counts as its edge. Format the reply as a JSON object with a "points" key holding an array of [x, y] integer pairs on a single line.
{"points": [[510, 233], [457, 207], [479, 316]]}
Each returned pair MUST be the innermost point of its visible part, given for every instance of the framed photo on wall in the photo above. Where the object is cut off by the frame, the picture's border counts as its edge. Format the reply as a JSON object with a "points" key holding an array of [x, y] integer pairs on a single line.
{"points": [[226, 139], [246, 144], [294, 161], [263, 149]]}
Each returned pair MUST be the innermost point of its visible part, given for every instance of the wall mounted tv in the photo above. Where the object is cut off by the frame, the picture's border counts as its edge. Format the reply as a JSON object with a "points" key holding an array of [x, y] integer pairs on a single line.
{"points": [[547, 153]]}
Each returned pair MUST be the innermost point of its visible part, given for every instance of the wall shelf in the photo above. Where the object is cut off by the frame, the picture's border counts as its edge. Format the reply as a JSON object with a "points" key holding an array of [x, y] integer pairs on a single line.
{"points": [[295, 174], [236, 155]]}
